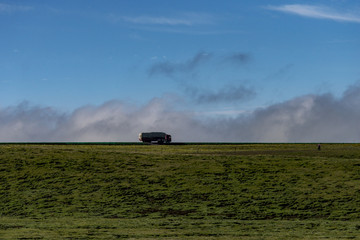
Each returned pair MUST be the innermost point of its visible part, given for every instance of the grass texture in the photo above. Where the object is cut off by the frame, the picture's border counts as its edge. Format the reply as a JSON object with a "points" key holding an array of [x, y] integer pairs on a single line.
{"points": [[205, 191]]}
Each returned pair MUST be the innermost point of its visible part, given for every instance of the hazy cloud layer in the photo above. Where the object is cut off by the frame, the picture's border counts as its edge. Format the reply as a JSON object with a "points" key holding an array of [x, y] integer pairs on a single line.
{"points": [[183, 73], [237, 58], [157, 20], [187, 19], [310, 118], [225, 94], [169, 68], [10, 8], [320, 12]]}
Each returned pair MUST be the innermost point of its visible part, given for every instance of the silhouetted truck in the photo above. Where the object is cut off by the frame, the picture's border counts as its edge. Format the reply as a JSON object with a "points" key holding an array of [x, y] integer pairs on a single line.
{"points": [[159, 137]]}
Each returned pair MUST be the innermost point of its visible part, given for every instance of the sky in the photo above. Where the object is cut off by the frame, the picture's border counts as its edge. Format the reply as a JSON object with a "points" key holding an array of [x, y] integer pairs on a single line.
{"points": [[202, 71]]}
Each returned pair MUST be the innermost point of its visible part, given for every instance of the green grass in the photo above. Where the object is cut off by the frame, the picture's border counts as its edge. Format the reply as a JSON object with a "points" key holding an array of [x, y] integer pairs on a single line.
{"points": [[205, 191]]}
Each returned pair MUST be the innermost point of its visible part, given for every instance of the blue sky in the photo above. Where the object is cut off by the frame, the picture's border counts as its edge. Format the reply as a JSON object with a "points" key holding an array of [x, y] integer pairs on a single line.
{"points": [[210, 60]]}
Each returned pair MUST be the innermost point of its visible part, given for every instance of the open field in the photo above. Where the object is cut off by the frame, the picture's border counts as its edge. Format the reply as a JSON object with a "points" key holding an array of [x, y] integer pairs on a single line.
{"points": [[205, 191]]}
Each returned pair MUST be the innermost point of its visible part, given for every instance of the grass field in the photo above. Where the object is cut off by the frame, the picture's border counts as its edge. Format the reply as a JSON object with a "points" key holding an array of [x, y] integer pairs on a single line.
{"points": [[205, 191]]}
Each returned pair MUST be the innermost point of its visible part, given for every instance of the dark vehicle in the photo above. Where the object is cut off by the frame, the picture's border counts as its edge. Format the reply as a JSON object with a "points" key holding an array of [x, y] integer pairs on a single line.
{"points": [[159, 137]]}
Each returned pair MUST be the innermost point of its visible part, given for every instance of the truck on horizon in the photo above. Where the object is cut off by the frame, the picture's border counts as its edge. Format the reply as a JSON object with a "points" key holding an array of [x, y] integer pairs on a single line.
{"points": [[159, 137]]}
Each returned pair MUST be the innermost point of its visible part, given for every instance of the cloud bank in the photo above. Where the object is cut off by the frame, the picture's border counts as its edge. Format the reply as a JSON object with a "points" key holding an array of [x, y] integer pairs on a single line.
{"points": [[320, 12], [309, 118]]}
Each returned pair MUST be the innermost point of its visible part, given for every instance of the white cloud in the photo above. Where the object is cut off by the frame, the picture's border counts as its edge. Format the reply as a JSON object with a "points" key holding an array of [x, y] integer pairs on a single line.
{"points": [[320, 12]]}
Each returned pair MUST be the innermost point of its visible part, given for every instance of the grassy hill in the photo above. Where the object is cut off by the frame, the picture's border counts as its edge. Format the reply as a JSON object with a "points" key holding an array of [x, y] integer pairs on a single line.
{"points": [[252, 191]]}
